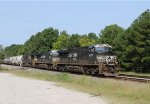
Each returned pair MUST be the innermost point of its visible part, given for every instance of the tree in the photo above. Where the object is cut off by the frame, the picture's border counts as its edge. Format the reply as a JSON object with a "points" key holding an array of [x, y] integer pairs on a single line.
{"points": [[74, 41], [1, 52], [137, 52], [92, 36], [41, 41], [48, 37], [109, 33], [1, 48], [62, 41], [12, 50], [86, 41]]}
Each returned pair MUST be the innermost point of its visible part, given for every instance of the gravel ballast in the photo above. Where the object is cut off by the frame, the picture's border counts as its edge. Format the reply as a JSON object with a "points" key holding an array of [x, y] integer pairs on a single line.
{"points": [[18, 90]]}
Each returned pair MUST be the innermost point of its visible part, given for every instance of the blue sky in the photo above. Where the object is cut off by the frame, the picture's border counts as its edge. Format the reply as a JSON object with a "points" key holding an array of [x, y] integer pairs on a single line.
{"points": [[21, 19]]}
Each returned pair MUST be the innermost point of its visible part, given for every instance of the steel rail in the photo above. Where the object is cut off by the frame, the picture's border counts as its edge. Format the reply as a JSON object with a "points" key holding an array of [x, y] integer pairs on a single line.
{"points": [[145, 79], [133, 78]]}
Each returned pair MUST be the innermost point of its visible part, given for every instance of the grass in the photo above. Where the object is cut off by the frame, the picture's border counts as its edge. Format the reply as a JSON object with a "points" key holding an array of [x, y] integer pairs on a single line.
{"points": [[3, 70], [114, 91]]}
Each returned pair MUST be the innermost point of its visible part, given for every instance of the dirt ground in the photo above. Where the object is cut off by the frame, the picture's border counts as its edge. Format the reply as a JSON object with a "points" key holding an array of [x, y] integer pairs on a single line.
{"points": [[18, 90]]}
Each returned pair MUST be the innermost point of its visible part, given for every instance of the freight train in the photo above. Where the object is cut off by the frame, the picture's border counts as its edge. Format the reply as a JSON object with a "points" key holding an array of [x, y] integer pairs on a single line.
{"points": [[96, 59]]}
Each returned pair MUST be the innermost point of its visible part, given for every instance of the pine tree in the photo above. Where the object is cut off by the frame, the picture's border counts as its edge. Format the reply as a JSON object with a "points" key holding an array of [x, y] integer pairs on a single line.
{"points": [[137, 52]]}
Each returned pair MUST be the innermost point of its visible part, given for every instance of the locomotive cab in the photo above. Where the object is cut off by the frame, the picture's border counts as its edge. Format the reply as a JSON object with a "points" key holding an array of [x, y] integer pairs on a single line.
{"points": [[106, 59]]}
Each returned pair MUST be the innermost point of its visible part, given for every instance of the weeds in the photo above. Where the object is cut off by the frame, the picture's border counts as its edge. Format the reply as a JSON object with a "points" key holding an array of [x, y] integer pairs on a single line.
{"points": [[115, 91]]}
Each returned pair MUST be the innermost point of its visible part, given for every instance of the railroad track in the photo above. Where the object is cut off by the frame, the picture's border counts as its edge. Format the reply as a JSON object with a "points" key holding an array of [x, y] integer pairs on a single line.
{"points": [[145, 79]]}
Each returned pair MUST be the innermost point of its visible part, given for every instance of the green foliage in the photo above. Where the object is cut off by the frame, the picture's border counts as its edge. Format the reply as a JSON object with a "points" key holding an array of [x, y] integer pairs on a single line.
{"points": [[65, 41], [12, 50], [62, 41], [145, 64], [74, 41], [1, 52], [86, 41], [109, 33], [92, 36], [42, 41], [137, 49]]}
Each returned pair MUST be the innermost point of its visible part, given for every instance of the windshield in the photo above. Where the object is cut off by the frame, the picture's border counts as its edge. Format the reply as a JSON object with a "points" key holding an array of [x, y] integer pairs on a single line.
{"points": [[102, 49]]}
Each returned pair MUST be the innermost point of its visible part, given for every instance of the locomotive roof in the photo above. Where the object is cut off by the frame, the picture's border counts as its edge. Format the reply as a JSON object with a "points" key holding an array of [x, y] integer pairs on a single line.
{"points": [[67, 50], [100, 45], [62, 51], [40, 53], [76, 48]]}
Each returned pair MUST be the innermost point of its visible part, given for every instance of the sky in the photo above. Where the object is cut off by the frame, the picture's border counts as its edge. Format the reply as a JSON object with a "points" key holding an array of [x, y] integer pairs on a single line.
{"points": [[19, 20]]}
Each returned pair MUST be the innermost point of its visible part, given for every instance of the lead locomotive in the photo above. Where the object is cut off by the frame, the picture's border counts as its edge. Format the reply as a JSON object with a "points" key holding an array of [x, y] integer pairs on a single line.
{"points": [[94, 59]]}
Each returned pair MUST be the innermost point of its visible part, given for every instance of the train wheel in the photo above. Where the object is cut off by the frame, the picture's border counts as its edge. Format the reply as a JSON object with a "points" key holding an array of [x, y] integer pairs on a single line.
{"points": [[87, 71], [82, 69]]}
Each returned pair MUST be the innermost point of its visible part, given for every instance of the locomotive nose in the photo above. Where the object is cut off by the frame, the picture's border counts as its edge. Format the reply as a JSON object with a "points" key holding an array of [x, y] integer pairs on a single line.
{"points": [[111, 59], [108, 59]]}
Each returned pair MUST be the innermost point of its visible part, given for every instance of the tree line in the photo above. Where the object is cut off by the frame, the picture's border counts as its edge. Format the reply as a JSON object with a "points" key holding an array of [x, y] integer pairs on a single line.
{"points": [[132, 45]]}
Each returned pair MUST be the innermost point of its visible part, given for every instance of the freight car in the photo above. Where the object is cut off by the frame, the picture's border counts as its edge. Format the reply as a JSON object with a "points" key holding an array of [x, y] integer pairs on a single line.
{"points": [[15, 60], [6, 61], [95, 59]]}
